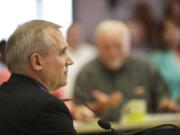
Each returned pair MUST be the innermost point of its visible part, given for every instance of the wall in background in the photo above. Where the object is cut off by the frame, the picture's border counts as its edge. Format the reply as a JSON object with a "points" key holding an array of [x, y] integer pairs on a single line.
{"points": [[90, 12], [15, 12]]}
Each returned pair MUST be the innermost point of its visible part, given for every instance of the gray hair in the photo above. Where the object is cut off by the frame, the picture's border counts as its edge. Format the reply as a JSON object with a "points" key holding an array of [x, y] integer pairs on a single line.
{"points": [[27, 39], [119, 26]]}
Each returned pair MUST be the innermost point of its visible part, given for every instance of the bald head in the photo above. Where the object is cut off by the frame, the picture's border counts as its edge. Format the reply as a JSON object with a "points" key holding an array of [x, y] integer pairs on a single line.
{"points": [[113, 43]]}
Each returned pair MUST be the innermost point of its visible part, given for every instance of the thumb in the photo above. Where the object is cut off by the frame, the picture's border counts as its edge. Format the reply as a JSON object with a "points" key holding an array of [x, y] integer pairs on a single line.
{"points": [[99, 96]]}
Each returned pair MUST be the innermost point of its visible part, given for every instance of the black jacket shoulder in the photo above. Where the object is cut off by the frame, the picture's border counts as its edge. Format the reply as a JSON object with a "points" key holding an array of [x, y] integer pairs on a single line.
{"points": [[25, 108]]}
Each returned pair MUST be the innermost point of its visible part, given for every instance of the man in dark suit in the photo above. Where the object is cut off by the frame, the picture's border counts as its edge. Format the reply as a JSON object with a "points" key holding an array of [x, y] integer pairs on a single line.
{"points": [[36, 56]]}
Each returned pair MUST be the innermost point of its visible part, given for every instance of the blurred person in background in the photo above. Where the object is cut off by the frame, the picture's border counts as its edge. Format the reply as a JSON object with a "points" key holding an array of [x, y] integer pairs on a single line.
{"points": [[172, 11], [168, 62], [4, 72], [80, 51], [138, 38], [152, 27], [115, 77]]}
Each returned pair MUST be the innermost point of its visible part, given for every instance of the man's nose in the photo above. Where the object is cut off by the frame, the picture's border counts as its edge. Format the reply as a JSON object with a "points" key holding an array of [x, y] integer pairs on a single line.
{"points": [[69, 61]]}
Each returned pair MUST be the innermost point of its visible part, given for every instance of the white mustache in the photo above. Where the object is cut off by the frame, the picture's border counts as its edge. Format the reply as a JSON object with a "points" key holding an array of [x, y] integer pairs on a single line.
{"points": [[116, 64]]}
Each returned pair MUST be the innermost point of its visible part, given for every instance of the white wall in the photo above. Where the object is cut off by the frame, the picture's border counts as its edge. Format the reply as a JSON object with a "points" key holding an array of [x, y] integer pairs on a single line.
{"points": [[58, 11], [15, 12]]}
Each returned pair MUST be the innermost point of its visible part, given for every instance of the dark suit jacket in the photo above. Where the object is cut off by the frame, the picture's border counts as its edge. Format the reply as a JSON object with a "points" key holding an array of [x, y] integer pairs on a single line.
{"points": [[26, 109]]}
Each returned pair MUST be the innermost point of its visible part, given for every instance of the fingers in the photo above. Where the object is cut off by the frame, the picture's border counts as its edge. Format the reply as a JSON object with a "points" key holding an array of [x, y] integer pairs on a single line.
{"points": [[169, 106], [173, 107], [115, 98], [100, 96], [110, 100]]}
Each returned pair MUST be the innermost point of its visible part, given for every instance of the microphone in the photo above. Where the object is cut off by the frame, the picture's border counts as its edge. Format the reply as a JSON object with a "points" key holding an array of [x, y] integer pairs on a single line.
{"points": [[81, 101], [107, 125], [102, 123]]}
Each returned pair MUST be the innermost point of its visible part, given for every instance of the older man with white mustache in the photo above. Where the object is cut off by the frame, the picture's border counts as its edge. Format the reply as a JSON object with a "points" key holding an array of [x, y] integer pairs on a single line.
{"points": [[115, 77]]}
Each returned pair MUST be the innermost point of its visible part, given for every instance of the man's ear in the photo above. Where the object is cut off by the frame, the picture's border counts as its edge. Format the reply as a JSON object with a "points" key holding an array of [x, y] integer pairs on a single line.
{"points": [[36, 61]]}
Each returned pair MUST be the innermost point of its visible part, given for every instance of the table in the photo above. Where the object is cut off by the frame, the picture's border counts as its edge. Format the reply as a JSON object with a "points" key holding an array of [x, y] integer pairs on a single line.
{"points": [[150, 120]]}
